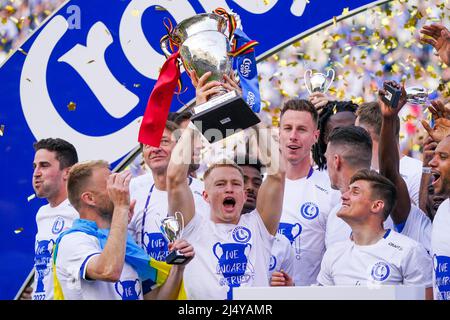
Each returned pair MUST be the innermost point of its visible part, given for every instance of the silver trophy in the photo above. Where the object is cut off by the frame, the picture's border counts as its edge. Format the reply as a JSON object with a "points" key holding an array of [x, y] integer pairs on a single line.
{"points": [[318, 82], [417, 95], [172, 228], [204, 46]]}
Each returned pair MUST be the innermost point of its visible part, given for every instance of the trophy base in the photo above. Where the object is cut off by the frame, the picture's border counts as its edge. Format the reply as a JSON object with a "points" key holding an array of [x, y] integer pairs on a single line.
{"points": [[175, 257], [226, 113]]}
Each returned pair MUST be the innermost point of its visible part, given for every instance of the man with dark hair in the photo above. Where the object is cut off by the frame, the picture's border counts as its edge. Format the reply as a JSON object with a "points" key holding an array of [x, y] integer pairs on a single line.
{"points": [[96, 259], [150, 193], [335, 114], [369, 117], [52, 161], [308, 196], [281, 266], [373, 255], [183, 118], [349, 150]]}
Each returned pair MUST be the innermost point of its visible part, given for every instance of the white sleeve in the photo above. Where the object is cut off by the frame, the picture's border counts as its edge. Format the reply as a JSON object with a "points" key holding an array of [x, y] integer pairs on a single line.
{"points": [[265, 235], [417, 267], [418, 227], [74, 253], [325, 277]]}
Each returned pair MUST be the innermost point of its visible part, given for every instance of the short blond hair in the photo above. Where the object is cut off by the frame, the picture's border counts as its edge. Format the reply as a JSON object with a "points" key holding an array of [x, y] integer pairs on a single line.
{"points": [[224, 163], [79, 176]]}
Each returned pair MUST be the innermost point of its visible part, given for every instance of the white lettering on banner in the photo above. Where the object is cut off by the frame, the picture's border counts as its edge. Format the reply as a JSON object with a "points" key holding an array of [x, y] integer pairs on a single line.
{"points": [[41, 115], [138, 51], [89, 62]]}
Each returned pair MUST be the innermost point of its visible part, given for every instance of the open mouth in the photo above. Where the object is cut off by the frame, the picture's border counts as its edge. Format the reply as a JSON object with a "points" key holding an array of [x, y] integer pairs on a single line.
{"points": [[229, 203], [436, 176], [293, 147]]}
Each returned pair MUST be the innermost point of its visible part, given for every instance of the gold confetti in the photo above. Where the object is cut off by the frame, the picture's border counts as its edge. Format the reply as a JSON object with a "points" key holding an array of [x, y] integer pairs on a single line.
{"points": [[22, 51], [159, 8], [2, 130], [72, 106], [135, 12], [10, 9], [18, 230], [90, 61], [136, 85], [266, 2], [345, 11], [334, 21], [31, 197], [29, 80]]}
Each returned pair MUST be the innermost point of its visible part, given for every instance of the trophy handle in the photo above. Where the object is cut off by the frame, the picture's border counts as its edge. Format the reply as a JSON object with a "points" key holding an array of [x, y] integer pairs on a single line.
{"points": [[330, 79], [307, 78], [117, 288], [165, 46], [214, 250], [179, 214]]}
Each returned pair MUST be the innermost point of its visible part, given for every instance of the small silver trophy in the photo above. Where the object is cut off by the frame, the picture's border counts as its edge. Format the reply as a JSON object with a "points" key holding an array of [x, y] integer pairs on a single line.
{"points": [[172, 228], [317, 82], [204, 44], [417, 95]]}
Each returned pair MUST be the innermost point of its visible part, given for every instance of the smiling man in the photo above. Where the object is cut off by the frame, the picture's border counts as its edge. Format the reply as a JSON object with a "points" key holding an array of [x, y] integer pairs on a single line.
{"points": [[373, 255], [440, 236], [309, 197]]}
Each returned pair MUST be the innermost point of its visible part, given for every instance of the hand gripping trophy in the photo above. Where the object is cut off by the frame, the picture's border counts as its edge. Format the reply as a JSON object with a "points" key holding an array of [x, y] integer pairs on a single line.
{"points": [[204, 43]]}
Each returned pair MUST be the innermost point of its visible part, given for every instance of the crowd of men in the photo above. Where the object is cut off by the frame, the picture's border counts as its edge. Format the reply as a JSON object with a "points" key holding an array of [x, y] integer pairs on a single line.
{"points": [[329, 201]]}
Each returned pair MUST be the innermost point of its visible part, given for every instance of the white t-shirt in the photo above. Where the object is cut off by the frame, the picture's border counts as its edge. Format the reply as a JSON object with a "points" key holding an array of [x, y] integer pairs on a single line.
{"points": [[226, 256], [416, 227], [50, 223], [440, 243], [411, 172], [74, 252], [151, 239], [306, 205], [393, 260], [282, 256]]}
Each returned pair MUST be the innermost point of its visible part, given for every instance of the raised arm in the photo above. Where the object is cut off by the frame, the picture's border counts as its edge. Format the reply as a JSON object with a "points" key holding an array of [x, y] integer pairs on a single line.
{"points": [[179, 194], [389, 158], [108, 265], [439, 38], [270, 196]]}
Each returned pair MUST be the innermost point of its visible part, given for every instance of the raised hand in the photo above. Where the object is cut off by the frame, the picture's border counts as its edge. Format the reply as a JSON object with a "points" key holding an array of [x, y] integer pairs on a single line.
{"points": [[439, 38], [231, 83], [386, 110], [118, 188], [204, 89], [319, 100]]}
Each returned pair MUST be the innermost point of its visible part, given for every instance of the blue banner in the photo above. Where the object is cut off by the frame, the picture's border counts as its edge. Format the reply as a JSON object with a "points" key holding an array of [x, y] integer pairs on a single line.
{"points": [[85, 76]]}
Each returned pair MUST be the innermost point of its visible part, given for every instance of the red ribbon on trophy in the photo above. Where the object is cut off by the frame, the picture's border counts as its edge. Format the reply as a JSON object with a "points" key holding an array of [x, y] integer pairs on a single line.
{"points": [[158, 105]]}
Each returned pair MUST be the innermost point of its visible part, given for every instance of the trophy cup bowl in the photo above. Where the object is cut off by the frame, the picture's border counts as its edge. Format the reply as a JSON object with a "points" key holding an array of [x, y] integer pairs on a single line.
{"points": [[417, 95], [317, 82], [204, 46], [172, 228]]}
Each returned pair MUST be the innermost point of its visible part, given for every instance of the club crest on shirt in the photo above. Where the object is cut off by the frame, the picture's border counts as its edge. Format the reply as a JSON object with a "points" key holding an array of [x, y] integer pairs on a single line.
{"points": [[241, 234], [380, 271], [58, 225], [309, 210], [273, 263]]}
